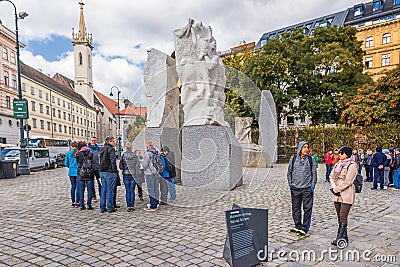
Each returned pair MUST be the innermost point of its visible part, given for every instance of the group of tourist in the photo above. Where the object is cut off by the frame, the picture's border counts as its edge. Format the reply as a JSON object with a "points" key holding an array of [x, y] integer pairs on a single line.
{"points": [[380, 166], [87, 162]]}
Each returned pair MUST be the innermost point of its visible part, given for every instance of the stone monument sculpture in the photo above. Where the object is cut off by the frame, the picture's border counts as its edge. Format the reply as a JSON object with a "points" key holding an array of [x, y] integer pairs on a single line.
{"points": [[211, 155]]}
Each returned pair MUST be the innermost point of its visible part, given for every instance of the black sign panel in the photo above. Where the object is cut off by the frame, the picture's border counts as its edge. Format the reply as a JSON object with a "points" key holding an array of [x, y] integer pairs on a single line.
{"points": [[247, 240]]}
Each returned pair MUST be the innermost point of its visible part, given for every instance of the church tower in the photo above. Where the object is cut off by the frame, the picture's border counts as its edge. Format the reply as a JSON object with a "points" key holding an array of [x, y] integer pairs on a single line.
{"points": [[83, 46]]}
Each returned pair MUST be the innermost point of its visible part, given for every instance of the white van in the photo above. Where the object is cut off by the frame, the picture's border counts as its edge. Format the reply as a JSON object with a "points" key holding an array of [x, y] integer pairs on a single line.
{"points": [[39, 158]]}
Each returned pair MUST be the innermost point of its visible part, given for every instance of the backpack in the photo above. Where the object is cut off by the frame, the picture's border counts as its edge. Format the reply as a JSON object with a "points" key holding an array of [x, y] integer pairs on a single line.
{"points": [[170, 168], [96, 160], [86, 170], [358, 182], [104, 159], [157, 162]]}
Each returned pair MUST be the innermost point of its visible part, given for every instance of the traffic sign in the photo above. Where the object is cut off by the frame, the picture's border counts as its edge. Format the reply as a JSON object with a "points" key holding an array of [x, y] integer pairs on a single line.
{"points": [[20, 108]]}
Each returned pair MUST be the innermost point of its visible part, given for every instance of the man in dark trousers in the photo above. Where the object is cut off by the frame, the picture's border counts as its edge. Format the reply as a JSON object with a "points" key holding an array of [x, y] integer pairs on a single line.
{"points": [[302, 177], [108, 174], [378, 162], [94, 148]]}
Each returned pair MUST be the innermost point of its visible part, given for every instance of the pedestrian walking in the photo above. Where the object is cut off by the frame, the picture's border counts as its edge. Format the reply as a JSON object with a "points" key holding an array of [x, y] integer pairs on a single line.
{"points": [[108, 175], [302, 177], [343, 190], [72, 165]]}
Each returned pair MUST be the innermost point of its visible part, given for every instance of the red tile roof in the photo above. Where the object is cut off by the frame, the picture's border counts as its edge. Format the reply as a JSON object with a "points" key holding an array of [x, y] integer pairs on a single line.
{"points": [[110, 104], [134, 111]]}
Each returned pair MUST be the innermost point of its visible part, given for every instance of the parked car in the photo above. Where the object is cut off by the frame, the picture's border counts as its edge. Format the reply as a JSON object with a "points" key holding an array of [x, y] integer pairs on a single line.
{"points": [[57, 160], [38, 158]]}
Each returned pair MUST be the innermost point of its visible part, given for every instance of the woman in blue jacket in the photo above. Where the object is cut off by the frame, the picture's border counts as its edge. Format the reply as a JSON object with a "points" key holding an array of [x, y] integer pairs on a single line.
{"points": [[72, 164]]}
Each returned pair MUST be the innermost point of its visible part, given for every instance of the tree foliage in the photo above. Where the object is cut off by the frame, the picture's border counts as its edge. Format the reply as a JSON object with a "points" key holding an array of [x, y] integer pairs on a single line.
{"points": [[375, 104], [135, 128]]}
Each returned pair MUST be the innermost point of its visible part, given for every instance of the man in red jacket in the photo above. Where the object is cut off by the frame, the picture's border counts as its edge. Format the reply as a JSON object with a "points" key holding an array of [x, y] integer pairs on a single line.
{"points": [[328, 164]]}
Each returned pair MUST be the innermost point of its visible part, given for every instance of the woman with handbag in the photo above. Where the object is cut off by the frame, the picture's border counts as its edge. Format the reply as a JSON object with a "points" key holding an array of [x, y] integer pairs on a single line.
{"points": [[342, 178]]}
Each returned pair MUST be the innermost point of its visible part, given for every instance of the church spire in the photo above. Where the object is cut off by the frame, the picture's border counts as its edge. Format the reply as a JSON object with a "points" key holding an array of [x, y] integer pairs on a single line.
{"points": [[82, 37]]}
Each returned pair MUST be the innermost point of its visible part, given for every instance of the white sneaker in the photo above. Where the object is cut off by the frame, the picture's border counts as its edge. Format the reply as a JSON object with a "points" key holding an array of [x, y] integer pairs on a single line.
{"points": [[385, 187]]}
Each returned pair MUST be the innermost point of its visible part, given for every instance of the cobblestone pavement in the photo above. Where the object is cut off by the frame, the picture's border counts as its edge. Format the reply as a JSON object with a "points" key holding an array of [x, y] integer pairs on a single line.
{"points": [[39, 228]]}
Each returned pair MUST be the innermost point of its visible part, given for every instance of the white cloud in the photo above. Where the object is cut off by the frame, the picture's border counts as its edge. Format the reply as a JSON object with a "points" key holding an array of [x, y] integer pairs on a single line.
{"points": [[123, 30]]}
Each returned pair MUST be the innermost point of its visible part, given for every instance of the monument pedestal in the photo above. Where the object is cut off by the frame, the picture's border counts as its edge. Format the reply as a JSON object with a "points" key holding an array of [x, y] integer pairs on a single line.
{"points": [[211, 158], [253, 156]]}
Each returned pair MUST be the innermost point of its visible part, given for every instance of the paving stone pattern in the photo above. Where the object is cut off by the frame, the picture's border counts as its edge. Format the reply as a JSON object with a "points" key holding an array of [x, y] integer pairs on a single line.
{"points": [[39, 228]]}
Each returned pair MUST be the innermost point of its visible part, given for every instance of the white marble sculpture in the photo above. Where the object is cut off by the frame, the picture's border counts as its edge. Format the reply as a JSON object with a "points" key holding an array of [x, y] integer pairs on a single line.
{"points": [[162, 92], [202, 75], [243, 129]]}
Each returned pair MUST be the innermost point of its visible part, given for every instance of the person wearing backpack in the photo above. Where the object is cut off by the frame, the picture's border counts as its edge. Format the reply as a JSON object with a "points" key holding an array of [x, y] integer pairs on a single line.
{"points": [[342, 187], [85, 175], [130, 165], [378, 162], [108, 175], [72, 165], [168, 174], [302, 177], [94, 148], [152, 169]]}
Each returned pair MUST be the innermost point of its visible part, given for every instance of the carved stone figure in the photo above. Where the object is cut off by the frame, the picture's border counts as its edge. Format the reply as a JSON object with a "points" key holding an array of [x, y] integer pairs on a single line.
{"points": [[202, 75], [243, 129]]}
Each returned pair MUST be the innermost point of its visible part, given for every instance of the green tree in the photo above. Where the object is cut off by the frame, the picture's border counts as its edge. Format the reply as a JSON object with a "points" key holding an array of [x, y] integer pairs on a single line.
{"points": [[375, 104], [135, 128]]}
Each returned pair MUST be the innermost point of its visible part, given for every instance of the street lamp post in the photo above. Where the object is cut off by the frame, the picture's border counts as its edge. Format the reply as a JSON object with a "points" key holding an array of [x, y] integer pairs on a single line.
{"points": [[119, 121], [23, 162]]}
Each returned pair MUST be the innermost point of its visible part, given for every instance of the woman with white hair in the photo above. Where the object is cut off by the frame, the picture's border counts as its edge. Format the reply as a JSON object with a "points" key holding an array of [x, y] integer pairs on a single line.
{"points": [[129, 165]]}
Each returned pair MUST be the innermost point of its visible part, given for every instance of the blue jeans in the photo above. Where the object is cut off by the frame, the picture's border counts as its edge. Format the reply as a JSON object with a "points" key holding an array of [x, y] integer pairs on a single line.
{"points": [[89, 185], [108, 183], [152, 187], [171, 187], [74, 189], [368, 172], [359, 168], [130, 183], [378, 177], [396, 176], [328, 171]]}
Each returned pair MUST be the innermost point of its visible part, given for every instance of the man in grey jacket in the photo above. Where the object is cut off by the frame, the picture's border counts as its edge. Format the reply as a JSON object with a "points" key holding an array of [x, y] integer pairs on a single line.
{"points": [[302, 177]]}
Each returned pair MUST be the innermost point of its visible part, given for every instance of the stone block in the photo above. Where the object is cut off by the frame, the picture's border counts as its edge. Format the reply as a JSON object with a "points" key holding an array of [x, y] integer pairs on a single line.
{"points": [[211, 157]]}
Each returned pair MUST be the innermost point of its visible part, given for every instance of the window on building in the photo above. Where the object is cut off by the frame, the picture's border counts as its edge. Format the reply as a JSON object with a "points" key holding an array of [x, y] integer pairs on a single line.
{"points": [[369, 42], [58, 101], [32, 90], [386, 38], [48, 126], [33, 105], [63, 103], [377, 5], [6, 78], [13, 81], [40, 94], [74, 131], [60, 128], [69, 130], [69, 105], [42, 124], [34, 123], [8, 102], [10, 123], [69, 117], [73, 118], [80, 59], [81, 110], [385, 60], [89, 61], [47, 110], [73, 108], [81, 121], [5, 53], [53, 99], [41, 108], [47, 96], [264, 42], [64, 115], [23, 87], [12, 58], [290, 120], [59, 114], [55, 127], [358, 10], [53, 112], [368, 63]]}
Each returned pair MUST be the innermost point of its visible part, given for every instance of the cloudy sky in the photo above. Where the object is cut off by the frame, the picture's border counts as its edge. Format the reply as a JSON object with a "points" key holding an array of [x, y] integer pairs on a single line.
{"points": [[124, 29]]}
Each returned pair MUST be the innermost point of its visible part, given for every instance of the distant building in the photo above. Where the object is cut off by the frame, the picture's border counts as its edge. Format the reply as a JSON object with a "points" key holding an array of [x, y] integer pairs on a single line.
{"points": [[9, 127]]}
